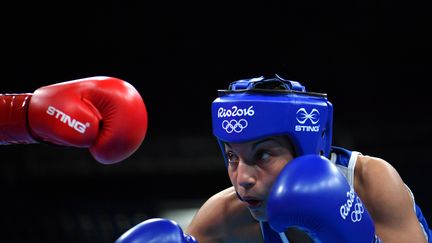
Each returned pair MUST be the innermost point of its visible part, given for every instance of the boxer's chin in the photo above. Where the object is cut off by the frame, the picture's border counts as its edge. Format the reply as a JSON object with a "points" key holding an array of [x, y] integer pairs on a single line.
{"points": [[259, 213]]}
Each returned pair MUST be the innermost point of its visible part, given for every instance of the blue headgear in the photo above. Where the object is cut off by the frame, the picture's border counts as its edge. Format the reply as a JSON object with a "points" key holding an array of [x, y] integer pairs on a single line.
{"points": [[256, 108]]}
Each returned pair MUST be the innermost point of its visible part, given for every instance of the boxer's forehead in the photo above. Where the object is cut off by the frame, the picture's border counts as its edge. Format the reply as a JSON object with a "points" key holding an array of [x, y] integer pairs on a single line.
{"points": [[278, 140]]}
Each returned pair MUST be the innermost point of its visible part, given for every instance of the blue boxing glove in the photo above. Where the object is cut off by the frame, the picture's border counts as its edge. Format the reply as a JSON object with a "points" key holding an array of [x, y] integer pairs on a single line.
{"points": [[156, 230], [311, 194]]}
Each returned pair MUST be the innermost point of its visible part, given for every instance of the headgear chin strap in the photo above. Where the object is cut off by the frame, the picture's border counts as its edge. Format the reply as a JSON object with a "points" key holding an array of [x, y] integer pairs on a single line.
{"points": [[256, 108]]}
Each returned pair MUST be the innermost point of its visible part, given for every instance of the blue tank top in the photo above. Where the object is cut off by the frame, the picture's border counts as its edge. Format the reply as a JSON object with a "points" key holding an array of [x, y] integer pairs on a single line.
{"points": [[345, 161]]}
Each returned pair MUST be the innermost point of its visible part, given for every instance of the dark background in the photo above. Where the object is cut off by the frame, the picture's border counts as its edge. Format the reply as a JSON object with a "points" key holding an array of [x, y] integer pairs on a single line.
{"points": [[372, 58]]}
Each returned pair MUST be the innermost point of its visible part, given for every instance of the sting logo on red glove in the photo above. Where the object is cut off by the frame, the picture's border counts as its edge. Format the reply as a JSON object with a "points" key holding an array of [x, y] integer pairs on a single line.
{"points": [[68, 120]]}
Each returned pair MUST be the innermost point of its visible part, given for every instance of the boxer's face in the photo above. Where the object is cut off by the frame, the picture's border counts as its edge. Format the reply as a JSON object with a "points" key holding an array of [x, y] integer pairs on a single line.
{"points": [[254, 166]]}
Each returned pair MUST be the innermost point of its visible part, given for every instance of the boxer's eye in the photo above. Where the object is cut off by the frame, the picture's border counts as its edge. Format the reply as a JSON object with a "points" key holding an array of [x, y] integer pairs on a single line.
{"points": [[232, 158], [263, 155]]}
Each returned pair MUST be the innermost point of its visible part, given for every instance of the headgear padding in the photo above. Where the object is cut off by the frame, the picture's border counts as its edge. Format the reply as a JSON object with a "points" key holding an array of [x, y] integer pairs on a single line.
{"points": [[256, 108]]}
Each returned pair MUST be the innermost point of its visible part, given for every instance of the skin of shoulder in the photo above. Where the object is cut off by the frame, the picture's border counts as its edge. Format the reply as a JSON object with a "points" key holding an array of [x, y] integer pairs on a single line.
{"points": [[224, 218], [387, 200]]}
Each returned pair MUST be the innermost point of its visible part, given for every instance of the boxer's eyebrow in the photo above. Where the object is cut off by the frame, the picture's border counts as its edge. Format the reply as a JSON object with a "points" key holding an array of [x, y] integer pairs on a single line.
{"points": [[254, 145], [264, 141]]}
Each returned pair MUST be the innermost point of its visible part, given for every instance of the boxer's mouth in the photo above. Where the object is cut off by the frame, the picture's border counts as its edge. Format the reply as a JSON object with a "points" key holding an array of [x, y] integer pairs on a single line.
{"points": [[252, 203]]}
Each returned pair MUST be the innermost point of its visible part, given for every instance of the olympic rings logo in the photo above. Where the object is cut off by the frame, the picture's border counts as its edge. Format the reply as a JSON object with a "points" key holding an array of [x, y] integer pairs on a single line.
{"points": [[356, 215], [234, 125], [303, 116]]}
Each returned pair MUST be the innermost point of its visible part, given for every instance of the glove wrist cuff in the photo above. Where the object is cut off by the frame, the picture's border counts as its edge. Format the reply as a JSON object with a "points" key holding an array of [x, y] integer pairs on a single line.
{"points": [[13, 119]]}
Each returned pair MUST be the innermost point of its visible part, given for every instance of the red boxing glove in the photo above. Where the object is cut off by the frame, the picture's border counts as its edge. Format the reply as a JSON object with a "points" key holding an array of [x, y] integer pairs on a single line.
{"points": [[105, 114]]}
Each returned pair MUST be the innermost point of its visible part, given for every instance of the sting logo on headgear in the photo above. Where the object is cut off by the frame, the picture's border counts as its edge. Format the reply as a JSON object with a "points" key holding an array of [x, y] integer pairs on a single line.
{"points": [[302, 116]]}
